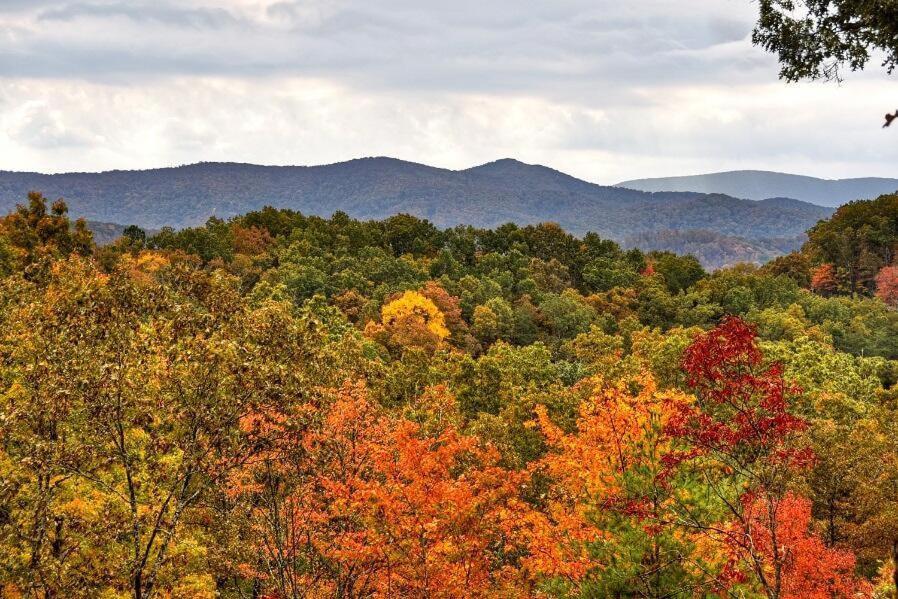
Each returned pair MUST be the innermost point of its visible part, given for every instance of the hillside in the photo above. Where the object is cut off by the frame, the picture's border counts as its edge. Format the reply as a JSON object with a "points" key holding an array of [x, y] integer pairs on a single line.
{"points": [[714, 250], [105, 232], [483, 196], [758, 185]]}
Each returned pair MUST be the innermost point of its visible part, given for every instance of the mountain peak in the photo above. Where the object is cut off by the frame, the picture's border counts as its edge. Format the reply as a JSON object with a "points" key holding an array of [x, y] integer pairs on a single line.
{"points": [[502, 164], [535, 174]]}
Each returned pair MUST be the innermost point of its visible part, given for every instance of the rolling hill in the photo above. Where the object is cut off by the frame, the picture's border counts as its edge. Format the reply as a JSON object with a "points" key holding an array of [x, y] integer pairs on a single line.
{"points": [[486, 196], [758, 185], [712, 249]]}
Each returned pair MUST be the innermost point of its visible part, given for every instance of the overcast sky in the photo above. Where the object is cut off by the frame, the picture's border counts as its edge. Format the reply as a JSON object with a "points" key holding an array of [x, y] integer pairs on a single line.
{"points": [[603, 89]]}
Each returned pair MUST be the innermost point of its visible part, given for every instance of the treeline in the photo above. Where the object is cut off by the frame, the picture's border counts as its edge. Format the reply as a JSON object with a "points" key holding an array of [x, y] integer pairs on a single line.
{"points": [[288, 406]]}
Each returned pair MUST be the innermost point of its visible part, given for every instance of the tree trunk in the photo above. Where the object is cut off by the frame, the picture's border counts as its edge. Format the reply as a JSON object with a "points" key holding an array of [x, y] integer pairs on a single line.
{"points": [[895, 566], [138, 585]]}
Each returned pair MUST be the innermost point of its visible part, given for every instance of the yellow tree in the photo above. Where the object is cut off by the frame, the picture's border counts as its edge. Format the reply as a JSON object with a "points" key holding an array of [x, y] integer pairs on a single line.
{"points": [[410, 320], [123, 400]]}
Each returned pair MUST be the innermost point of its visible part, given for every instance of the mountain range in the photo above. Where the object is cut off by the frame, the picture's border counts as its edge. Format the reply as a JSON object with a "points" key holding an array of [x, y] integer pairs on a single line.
{"points": [[373, 188], [758, 185], [484, 196]]}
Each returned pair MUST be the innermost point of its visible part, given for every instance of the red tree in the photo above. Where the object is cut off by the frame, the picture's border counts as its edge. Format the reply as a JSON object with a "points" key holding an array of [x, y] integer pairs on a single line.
{"points": [[742, 439], [887, 285], [824, 279], [741, 416], [808, 569]]}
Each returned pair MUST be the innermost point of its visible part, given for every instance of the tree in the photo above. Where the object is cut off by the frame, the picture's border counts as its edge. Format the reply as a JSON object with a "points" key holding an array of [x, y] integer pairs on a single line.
{"points": [[858, 240], [38, 234], [251, 241], [782, 536], [134, 233], [411, 320], [406, 234], [377, 507], [610, 499], [566, 314], [815, 39], [493, 320], [121, 415], [450, 307], [742, 424], [214, 240], [604, 274], [548, 241], [887, 285], [796, 266], [824, 280], [679, 272]]}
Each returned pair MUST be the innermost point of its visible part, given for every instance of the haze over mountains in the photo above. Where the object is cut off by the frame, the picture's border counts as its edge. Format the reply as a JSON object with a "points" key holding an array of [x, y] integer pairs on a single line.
{"points": [[484, 196], [758, 185]]}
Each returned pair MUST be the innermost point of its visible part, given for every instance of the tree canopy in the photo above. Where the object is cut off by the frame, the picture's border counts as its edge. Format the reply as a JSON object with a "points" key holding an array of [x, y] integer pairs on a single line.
{"points": [[287, 406]]}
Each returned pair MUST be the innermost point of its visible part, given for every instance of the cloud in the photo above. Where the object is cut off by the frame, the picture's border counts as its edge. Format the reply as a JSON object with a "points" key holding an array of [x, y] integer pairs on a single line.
{"points": [[603, 89], [569, 47], [37, 127], [194, 18]]}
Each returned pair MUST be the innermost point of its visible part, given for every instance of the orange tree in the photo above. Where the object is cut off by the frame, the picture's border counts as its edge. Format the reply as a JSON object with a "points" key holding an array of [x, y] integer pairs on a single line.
{"points": [[361, 503], [606, 529]]}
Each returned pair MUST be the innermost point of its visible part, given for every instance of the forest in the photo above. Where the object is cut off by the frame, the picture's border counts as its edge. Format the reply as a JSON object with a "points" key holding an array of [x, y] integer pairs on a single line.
{"points": [[281, 406]]}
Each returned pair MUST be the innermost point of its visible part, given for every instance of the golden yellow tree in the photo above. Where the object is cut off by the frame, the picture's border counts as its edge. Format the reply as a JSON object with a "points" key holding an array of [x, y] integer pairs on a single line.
{"points": [[411, 320]]}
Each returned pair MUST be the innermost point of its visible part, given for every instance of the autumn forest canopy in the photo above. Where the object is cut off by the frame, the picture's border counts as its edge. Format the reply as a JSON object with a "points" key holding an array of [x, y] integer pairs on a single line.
{"points": [[282, 406]]}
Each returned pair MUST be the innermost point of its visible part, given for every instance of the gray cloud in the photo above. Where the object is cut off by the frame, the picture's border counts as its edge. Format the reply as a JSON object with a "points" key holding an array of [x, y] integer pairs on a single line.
{"points": [[195, 18], [558, 48], [605, 89]]}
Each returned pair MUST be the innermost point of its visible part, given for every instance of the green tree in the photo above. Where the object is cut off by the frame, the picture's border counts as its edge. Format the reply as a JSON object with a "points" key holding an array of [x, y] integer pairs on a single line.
{"points": [[493, 320], [679, 272], [135, 234], [566, 314], [815, 39], [38, 234]]}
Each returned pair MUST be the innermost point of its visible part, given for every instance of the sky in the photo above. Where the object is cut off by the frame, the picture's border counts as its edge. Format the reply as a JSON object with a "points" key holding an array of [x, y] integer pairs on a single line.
{"points": [[605, 90]]}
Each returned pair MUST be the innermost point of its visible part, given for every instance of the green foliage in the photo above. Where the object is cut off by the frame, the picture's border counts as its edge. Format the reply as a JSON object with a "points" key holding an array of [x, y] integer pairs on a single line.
{"points": [[566, 315], [215, 240], [679, 272], [858, 240], [816, 38], [159, 400], [604, 274]]}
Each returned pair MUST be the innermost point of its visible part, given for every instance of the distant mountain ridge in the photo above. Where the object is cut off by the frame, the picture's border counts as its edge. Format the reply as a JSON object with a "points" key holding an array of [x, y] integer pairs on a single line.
{"points": [[375, 188], [712, 249], [758, 185], [105, 233]]}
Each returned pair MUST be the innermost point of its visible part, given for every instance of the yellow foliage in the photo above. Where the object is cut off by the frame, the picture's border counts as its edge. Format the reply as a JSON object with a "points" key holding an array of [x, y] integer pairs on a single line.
{"points": [[195, 586], [10, 591], [413, 308], [143, 267]]}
